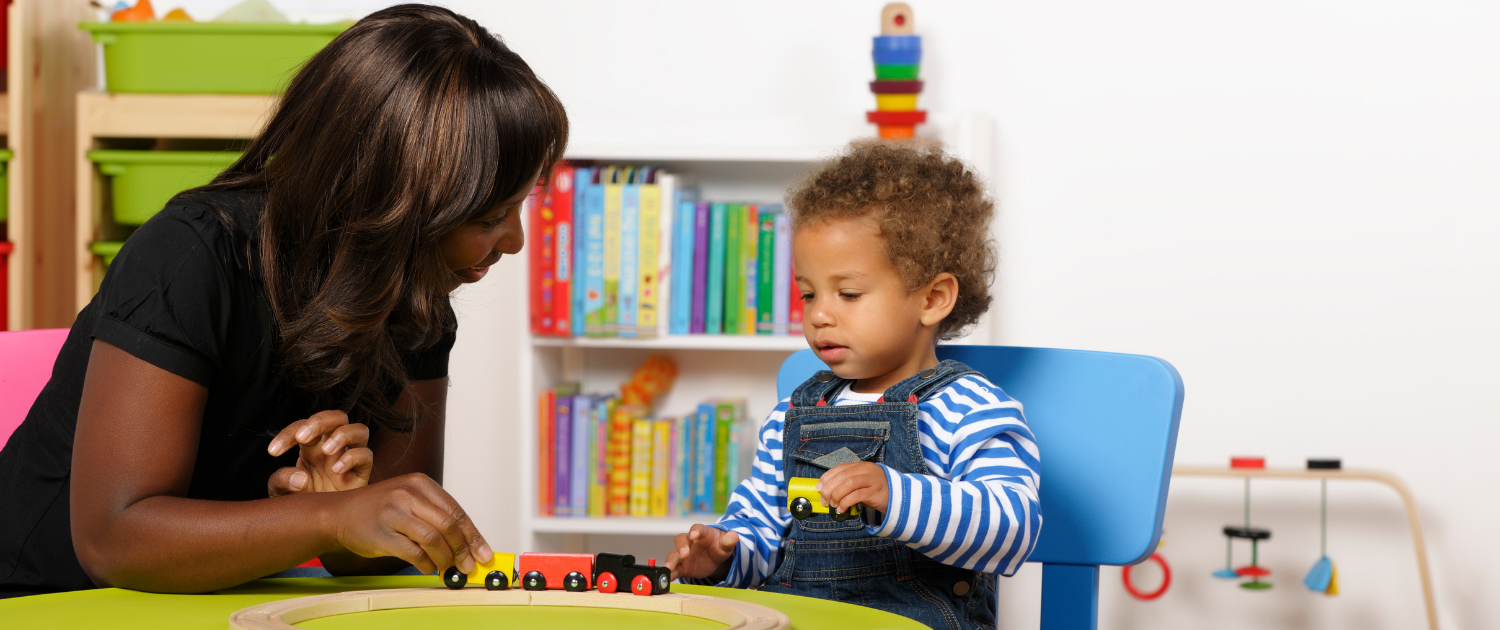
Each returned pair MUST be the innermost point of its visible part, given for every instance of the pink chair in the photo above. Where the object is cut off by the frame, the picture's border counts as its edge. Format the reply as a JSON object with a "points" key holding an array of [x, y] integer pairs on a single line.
{"points": [[26, 359]]}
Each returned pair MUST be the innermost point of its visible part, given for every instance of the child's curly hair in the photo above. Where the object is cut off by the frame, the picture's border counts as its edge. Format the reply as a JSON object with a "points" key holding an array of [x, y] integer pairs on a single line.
{"points": [[932, 210]]}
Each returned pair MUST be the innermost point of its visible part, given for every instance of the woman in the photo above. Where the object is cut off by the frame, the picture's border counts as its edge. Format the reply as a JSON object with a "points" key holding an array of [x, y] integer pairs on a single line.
{"points": [[301, 299]]}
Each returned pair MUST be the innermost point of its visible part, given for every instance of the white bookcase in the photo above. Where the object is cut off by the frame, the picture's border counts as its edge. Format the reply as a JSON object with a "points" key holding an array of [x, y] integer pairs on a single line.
{"points": [[709, 366]]}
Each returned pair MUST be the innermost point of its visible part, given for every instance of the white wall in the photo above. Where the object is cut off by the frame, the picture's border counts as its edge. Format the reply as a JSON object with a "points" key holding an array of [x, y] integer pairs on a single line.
{"points": [[1297, 204]]}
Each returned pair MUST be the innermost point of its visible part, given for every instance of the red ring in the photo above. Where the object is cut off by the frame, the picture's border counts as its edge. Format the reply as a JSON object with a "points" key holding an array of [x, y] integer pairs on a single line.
{"points": [[1166, 580]]}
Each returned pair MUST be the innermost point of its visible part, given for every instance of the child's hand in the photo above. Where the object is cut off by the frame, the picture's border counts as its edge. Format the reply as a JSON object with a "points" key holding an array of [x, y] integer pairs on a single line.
{"points": [[333, 455], [845, 485], [702, 552]]}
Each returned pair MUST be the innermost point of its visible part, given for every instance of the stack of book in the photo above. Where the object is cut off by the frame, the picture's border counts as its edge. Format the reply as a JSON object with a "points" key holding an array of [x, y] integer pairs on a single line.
{"points": [[598, 457], [628, 251]]}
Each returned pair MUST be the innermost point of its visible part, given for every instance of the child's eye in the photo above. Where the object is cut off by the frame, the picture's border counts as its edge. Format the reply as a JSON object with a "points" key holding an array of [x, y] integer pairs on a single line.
{"points": [[849, 296], [807, 297]]}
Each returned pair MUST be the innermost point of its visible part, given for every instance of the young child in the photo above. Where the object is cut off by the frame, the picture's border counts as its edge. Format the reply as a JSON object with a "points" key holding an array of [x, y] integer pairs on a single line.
{"points": [[892, 254]]}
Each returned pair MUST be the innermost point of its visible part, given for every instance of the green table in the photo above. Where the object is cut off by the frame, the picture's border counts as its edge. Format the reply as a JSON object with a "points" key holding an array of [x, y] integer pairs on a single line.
{"points": [[123, 609]]}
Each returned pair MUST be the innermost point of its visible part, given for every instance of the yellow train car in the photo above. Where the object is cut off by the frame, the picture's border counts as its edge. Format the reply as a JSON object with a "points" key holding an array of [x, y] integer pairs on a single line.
{"points": [[803, 500], [497, 575]]}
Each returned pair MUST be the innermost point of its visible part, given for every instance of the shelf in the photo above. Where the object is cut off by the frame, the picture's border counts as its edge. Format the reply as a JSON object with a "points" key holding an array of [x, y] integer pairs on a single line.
{"points": [[174, 115], [619, 525], [768, 343]]}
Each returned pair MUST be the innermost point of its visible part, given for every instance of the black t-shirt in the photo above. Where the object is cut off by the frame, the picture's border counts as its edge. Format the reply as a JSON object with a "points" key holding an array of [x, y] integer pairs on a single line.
{"points": [[182, 296]]}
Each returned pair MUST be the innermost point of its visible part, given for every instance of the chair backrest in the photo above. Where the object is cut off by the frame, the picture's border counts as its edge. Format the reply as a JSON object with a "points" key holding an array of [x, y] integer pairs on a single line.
{"points": [[1106, 426], [26, 359]]}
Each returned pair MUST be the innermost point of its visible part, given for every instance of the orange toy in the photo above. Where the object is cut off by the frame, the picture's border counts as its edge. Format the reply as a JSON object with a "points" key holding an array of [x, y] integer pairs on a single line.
{"points": [[141, 12], [649, 381]]}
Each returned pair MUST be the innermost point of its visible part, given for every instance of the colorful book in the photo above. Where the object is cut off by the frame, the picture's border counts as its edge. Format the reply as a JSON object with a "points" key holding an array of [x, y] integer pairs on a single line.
{"points": [[723, 458], [562, 450], [734, 268], [682, 493], [630, 254], [599, 493], [718, 225], [619, 462], [592, 191], [561, 195], [701, 220], [649, 285], [782, 272], [614, 193], [765, 276], [666, 279], [681, 291], [749, 257], [546, 410], [661, 465], [703, 459], [794, 308], [544, 275], [578, 476], [534, 260], [581, 177], [640, 467]]}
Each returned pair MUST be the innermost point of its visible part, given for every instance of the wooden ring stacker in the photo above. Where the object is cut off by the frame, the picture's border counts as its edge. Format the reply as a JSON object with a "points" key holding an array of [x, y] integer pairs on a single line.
{"points": [[280, 615]]}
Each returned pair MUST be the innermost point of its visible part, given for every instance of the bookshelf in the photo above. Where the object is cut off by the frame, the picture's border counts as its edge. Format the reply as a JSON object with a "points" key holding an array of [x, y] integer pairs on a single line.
{"points": [[709, 366]]}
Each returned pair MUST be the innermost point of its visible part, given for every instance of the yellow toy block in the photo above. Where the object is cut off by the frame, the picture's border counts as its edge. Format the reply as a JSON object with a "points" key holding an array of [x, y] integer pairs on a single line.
{"points": [[505, 563], [896, 102], [804, 500]]}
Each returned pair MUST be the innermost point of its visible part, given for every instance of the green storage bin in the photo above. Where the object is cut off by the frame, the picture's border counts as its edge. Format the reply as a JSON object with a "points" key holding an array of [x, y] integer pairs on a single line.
{"points": [[5, 156], [143, 181], [206, 57], [106, 249]]}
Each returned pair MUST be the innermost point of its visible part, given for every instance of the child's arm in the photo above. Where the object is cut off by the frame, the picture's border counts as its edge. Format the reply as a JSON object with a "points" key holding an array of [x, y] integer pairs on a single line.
{"points": [[978, 508], [757, 517]]}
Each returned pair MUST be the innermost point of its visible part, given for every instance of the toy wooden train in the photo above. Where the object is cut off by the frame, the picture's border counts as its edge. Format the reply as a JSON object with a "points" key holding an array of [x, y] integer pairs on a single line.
{"points": [[566, 571]]}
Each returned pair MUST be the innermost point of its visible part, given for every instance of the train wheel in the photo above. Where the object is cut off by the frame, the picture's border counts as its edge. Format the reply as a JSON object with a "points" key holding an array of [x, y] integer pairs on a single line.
{"points": [[534, 581], [607, 582], [801, 508], [496, 581], [846, 515], [663, 582], [455, 579], [641, 585], [575, 582]]}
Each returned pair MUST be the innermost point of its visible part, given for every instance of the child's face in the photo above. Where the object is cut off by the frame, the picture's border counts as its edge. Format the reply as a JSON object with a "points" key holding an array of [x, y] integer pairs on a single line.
{"points": [[858, 316]]}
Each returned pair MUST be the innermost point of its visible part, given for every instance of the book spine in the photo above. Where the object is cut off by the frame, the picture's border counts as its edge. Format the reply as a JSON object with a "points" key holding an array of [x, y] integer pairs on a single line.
{"points": [[682, 497], [765, 260], [640, 467], [578, 475], [723, 429], [749, 257], [593, 270], [681, 293], [651, 251], [661, 465], [783, 274], [534, 261], [734, 269], [619, 467], [547, 243], [562, 505], [794, 307], [666, 276], [717, 232], [630, 260], [701, 215], [703, 477], [599, 494], [562, 204], [545, 408], [614, 193], [578, 324]]}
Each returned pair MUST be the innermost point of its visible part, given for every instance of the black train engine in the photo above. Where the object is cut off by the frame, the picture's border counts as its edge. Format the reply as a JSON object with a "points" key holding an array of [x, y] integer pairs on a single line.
{"points": [[611, 570]]}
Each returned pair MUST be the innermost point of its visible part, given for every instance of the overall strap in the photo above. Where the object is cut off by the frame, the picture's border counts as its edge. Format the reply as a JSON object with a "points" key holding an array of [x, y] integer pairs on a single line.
{"points": [[928, 382], [814, 391]]}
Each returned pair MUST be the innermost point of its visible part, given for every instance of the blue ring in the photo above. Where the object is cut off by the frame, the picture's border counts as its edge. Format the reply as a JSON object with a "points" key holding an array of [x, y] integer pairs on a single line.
{"points": [[898, 57]]}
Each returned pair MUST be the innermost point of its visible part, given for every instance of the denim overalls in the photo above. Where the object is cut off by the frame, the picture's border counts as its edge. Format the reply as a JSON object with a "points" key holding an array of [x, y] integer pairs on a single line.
{"points": [[841, 561]]}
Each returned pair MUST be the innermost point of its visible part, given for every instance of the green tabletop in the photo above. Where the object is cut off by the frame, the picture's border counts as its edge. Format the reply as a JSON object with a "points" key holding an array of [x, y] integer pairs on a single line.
{"points": [[123, 609]]}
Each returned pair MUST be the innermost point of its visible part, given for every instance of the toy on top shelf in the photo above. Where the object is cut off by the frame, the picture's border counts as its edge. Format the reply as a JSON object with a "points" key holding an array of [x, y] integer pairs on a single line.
{"points": [[804, 501], [1253, 570], [613, 569], [1324, 576], [497, 575], [566, 571], [898, 58], [141, 12]]}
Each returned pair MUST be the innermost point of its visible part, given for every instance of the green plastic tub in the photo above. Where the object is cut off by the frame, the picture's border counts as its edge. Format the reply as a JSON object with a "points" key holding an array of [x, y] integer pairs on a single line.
{"points": [[106, 249], [142, 182], [206, 57], [5, 156]]}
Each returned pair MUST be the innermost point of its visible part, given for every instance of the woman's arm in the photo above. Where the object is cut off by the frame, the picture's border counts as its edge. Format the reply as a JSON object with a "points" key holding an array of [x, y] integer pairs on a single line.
{"points": [[133, 456]]}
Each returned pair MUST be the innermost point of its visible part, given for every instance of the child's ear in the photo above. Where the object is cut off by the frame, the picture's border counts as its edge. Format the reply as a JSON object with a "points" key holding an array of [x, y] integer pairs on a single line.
{"points": [[940, 296]]}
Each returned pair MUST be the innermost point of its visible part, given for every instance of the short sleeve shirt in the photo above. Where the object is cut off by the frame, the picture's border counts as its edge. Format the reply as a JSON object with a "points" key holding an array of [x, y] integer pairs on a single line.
{"points": [[183, 296]]}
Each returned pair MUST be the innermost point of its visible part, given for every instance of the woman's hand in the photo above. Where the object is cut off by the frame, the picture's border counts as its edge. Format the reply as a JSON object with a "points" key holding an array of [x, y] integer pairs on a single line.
{"points": [[845, 485], [703, 552], [412, 518], [333, 455]]}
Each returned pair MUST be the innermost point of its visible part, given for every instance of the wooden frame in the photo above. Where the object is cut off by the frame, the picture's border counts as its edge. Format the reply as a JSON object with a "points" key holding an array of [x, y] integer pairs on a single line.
{"points": [[1377, 476], [280, 615]]}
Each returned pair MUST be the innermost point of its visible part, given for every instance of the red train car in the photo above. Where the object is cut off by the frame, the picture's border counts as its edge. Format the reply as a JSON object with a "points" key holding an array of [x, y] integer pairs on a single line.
{"points": [[567, 571]]}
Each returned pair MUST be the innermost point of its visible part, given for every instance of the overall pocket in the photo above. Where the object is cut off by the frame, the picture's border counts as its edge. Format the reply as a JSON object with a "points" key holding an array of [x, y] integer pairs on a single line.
{"points": [[823, 445]]}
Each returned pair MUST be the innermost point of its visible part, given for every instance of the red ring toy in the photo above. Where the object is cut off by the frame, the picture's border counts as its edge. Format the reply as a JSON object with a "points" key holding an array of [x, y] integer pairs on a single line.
{"points": [[1166, 580]]}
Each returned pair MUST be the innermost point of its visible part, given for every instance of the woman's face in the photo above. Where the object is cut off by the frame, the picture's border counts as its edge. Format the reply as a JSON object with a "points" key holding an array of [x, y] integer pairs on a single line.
{"points": [[473, 247]]}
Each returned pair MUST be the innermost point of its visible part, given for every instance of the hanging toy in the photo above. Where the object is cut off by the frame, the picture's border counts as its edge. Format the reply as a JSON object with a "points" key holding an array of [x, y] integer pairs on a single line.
{"points": [[1324, 576], [1253, 570], [898, 58], [1166, 578]]}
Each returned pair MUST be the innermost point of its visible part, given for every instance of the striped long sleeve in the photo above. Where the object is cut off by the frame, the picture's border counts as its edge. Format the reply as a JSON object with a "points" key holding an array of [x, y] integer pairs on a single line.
{"points": [[976, 507]]}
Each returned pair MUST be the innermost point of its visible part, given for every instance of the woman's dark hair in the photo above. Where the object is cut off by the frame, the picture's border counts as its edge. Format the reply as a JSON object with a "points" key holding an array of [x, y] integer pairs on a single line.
{"points": [[412, 122]]}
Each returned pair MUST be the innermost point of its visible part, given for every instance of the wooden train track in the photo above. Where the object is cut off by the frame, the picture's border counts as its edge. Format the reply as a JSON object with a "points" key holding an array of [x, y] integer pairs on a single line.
{"points": [[280, 615]]}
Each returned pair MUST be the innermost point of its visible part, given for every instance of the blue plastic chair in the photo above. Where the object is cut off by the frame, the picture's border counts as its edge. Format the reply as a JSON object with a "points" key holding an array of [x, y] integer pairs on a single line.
{"points": [[1106, 425]]}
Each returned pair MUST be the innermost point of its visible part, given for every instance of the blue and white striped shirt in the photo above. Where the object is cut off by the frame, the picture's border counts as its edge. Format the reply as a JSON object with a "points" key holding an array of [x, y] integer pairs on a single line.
{"points": [[976, 508]]}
